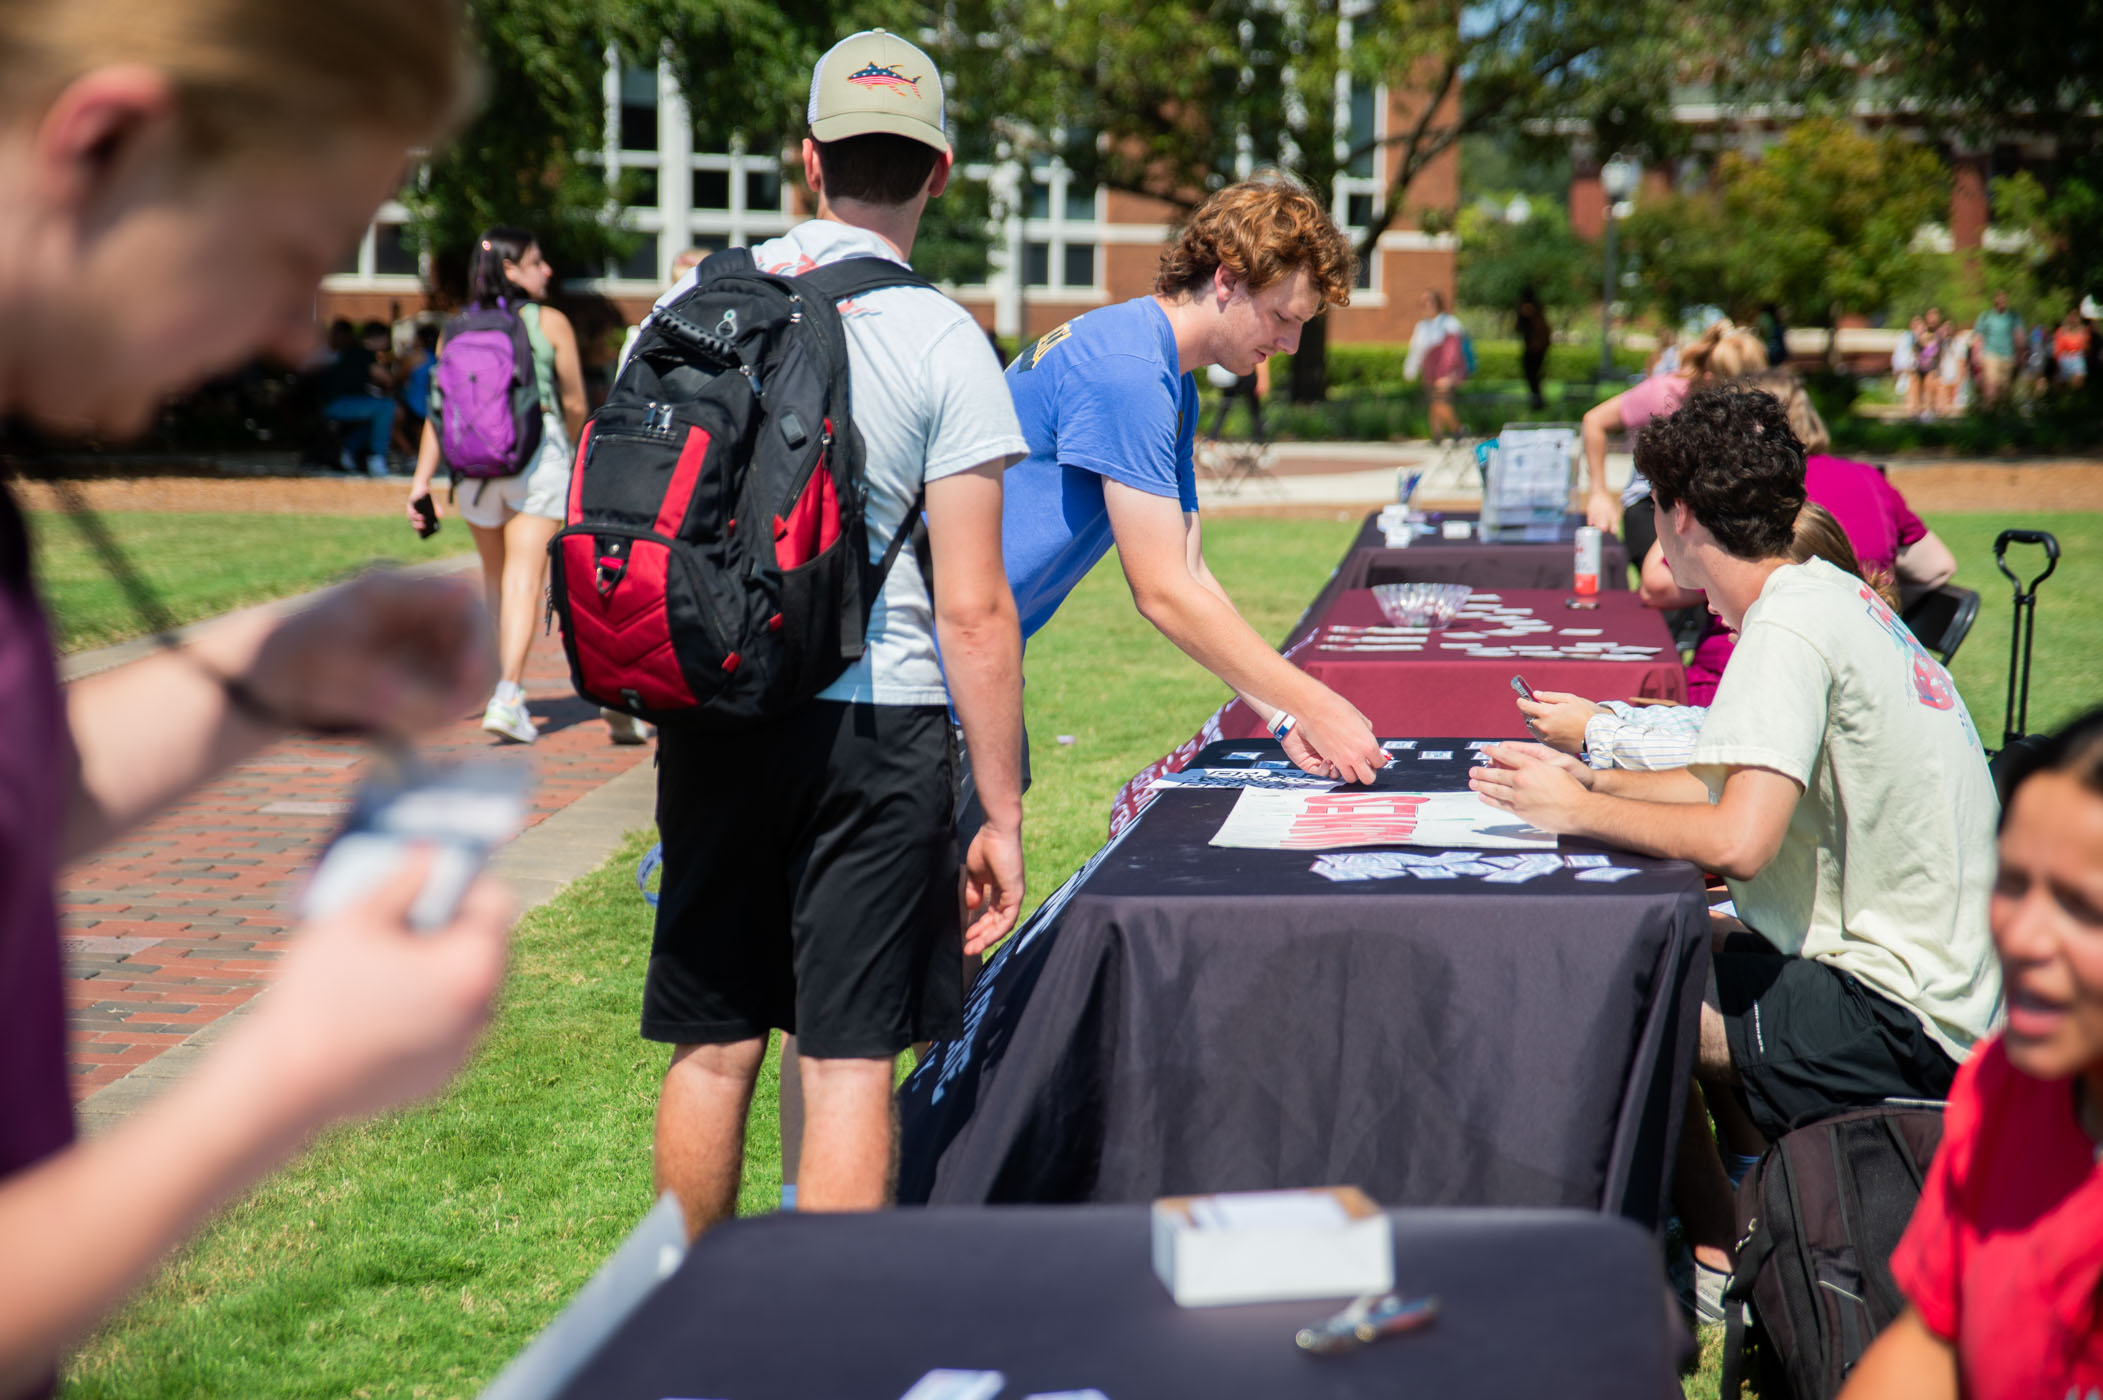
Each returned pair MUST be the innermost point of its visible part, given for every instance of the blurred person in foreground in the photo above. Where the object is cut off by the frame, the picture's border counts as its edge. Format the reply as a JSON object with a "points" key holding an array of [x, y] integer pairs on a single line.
{"points": [[178, 175], [1840, 789], [2002, 1265]]}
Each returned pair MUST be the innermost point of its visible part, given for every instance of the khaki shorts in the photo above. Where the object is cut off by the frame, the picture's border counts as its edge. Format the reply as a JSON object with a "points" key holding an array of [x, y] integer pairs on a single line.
{"points": [[542, 489], [1994, 371]]}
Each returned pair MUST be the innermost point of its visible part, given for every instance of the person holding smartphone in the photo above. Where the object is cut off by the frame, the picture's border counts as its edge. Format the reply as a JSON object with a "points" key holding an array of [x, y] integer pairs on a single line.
{"points": [[201, 165]]}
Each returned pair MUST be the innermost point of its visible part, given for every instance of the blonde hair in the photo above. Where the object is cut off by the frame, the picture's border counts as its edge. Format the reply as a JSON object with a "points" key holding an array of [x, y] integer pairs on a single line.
{"points": [[1260, 230], [251, 75], [1820, 535], [1723, 351], [1804, 418]]}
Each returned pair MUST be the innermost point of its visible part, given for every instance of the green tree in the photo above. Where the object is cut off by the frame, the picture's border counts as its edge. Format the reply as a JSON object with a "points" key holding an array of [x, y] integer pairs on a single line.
{"points": [[1497, 260], [1821, 224], [1175, 99]]}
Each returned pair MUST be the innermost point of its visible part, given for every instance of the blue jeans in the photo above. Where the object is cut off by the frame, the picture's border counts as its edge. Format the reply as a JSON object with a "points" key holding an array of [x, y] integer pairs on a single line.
{"points": [[377, 413]]}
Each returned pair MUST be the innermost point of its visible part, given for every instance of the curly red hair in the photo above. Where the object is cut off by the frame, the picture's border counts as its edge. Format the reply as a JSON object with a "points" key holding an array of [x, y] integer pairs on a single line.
{"points": [[1260, 230]]}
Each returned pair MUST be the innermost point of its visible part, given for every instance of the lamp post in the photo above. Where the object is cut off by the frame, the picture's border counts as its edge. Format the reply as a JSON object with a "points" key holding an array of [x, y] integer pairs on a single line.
{"points": [[1617, 180]]}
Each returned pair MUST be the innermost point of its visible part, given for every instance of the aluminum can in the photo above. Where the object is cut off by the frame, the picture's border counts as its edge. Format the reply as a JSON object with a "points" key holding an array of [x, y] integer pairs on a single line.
{"points": [[1587, 562]]}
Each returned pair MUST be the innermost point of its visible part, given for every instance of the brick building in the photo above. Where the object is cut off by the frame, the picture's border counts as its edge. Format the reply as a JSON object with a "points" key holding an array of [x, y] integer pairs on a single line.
{"points": [[1066, 248]]}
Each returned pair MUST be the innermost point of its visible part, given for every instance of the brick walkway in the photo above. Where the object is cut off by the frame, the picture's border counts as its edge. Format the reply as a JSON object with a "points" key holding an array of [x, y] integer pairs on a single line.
{"points": [[181, 923]]}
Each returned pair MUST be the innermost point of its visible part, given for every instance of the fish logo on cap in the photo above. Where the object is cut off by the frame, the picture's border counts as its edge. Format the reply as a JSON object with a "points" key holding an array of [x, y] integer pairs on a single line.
{"points": [[883, 75]]}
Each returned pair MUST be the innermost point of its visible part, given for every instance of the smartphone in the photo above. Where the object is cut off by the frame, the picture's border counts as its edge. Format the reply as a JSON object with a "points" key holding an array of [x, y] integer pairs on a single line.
{"points": [[462, 813], [427, 510], [1521, 688]]}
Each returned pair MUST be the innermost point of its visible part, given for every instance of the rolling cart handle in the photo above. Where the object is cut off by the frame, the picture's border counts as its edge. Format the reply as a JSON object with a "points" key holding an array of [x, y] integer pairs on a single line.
{"points": [[2038, 537], [2022, 626]]}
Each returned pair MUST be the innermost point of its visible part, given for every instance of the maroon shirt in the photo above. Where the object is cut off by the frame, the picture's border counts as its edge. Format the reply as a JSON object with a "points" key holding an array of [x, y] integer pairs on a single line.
{"points": [[36, 782]]}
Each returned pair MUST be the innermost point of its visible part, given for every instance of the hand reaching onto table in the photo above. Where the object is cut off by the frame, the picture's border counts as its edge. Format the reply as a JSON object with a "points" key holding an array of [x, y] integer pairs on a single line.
{"points": [[1603, 511], [1534, 783], [1558, 718], [1331, 739]]}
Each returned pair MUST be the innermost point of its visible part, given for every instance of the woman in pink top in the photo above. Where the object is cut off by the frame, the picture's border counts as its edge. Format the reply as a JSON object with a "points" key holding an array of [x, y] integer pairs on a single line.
{"points": [[1720, 352], [175, 178]]}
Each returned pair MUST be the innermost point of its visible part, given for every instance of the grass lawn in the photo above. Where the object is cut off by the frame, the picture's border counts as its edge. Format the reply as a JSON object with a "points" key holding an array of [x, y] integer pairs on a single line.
{"points": [[205, 564], [414, 1256]]}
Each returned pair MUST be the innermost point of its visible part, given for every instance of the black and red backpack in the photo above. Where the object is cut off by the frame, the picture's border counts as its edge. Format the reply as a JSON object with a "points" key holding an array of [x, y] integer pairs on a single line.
{"points": [[714, 567]]}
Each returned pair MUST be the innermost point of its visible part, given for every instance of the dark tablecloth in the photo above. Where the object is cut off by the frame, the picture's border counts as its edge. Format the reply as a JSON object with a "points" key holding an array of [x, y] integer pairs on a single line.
{"points": [[1182, 1017], [1437, 691], [800, 1307]]}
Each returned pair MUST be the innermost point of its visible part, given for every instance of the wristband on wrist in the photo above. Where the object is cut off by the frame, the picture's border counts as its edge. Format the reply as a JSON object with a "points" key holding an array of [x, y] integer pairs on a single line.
{"points": [[1281, 726]]}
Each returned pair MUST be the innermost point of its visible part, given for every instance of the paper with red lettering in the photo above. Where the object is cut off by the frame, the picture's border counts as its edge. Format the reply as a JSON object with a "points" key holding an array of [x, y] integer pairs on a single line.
{"points": [[1327, 821]]}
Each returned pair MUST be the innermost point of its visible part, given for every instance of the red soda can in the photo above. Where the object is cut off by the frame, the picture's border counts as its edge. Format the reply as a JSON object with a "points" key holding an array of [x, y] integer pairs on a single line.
{"points": [[1587, 563]]}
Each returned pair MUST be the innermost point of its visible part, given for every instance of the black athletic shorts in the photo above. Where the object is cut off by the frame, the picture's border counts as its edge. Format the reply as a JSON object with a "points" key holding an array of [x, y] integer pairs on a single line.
{"points": [[810, 883], [1809, 1040]]}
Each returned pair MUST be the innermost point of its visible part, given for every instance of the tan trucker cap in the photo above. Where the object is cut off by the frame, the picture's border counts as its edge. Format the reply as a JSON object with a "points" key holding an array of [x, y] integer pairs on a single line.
{"points": [[875, 81]]}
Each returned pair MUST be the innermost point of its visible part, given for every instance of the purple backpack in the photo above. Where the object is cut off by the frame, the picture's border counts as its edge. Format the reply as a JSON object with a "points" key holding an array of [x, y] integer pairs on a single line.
{"points": [[488, 407]]}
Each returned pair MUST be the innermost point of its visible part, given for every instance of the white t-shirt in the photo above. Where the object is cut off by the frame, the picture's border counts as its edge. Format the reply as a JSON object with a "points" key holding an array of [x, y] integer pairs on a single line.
{"points": [[930, 402], [1890, 856]]}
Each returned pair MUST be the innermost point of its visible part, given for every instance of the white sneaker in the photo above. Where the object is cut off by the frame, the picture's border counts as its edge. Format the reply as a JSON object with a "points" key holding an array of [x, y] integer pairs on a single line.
{"points": [[624, 729], [509, 718], [376, 465]]}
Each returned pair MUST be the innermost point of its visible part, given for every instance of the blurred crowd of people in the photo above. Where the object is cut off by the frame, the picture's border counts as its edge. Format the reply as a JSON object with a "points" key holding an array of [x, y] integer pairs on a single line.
{"points": [[1941, 369]]}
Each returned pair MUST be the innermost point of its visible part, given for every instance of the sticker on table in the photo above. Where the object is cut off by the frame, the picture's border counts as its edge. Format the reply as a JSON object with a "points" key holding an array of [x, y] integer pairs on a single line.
{"points": [[1586, 862], [1090, 1394], [1435, 755], [1250, 755], [957, 1385], [1518, 872], [1607, 874], [1325, 821], [1397, 745], [1578, 631]]}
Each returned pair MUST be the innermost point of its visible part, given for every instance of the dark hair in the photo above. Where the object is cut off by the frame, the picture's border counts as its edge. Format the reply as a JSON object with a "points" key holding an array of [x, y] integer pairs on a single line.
{"points": [[342, 325], [1730, 456], [373, 328], [2076, 751], [878, 168], [486, 281], [427, 334]]}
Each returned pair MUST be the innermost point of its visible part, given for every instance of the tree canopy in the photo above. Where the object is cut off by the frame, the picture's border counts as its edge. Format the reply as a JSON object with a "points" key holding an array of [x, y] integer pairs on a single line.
{"points": [[1820, 224]]}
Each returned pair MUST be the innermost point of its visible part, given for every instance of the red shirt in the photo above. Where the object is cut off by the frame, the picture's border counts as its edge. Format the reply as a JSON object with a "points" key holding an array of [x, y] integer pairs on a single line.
{"points": [[2005, 1251]]}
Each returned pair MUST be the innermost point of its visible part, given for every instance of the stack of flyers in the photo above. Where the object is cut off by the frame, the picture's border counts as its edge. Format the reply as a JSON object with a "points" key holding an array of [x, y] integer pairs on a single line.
{"points": [[1258, 777], [1446, 865]]}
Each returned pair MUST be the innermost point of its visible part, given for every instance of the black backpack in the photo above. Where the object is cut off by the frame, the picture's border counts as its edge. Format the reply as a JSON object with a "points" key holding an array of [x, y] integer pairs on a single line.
{"points": [[1818, 1219], [714, 568]]}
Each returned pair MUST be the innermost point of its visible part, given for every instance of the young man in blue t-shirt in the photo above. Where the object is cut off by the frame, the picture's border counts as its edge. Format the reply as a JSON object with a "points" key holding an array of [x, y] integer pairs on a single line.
{"points": [[1109, 409]]}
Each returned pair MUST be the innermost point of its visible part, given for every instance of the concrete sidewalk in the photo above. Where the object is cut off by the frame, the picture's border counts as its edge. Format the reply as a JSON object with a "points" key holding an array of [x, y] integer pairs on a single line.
{"points": [[171, 931], [1363, 475]]}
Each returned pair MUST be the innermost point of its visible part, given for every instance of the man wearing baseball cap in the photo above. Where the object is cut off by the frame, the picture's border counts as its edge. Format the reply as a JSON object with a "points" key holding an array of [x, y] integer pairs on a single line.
{"points": [[810, 869]]}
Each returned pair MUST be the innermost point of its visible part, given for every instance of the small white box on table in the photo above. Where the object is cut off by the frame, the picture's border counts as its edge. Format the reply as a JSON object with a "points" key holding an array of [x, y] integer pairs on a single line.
{"points": [[1272, 1246]]}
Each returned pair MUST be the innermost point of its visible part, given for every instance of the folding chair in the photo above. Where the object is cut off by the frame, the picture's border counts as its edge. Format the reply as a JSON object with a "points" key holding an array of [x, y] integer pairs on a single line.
{"points": [[1940, 619]]}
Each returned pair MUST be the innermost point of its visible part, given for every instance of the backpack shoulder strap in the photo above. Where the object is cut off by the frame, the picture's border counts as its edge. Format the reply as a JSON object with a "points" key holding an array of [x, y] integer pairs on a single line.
{"points": [[853, 277]]}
